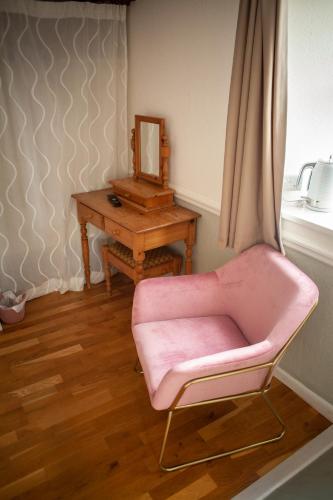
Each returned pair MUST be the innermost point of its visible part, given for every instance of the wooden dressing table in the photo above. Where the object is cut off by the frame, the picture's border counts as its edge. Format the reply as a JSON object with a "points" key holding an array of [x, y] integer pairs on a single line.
{"points": [[138, 231], [148, 217]]}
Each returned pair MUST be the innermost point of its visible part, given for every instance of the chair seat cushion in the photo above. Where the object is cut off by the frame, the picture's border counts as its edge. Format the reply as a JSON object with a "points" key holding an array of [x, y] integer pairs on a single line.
{"points": [[163, 344]]}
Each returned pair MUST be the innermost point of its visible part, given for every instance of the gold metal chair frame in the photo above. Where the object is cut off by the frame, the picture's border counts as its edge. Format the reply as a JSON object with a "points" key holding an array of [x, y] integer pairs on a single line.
{"points": [[262, 392]]}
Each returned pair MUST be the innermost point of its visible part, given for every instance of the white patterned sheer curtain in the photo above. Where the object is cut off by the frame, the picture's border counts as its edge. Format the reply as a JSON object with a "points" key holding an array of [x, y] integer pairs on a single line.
{"points": [[63, 130]]}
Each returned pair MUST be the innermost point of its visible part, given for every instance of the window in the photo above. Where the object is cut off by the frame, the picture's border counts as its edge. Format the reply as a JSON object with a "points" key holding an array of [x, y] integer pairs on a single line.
{"points": [[310, 123]]}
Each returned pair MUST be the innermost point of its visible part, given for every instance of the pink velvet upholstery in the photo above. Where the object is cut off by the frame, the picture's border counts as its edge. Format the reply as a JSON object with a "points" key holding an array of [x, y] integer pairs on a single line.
{"points": [[241, 315]]}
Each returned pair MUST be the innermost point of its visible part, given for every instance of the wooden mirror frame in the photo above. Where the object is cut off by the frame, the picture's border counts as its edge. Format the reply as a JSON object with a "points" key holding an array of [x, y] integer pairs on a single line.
{"points": [[163, 176]]}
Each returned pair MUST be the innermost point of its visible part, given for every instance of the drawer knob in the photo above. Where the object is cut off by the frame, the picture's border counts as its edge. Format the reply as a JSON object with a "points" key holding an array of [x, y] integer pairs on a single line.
{"points": [[116, 232]]}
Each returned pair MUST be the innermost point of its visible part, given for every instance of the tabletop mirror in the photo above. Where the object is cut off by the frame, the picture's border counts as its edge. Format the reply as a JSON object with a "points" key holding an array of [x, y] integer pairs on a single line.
{"points": [[150, 150], [148, 188]]}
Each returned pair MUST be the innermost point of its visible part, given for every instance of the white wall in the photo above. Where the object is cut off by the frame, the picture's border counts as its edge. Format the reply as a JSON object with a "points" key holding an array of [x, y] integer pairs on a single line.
{"points": [[310, 82], [180, 57], [310, 137], [180, 54], [310, 357]]}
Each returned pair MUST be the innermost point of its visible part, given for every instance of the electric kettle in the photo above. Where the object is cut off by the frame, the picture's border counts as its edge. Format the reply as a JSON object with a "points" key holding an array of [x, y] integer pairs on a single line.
{"points": [[320, 185]]}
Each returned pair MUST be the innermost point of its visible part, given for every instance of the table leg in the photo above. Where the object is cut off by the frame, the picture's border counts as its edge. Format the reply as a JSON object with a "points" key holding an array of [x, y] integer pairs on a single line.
{"points": [[188, 258], [189, 242], [139, 257], [106, 264], [85, 253]]}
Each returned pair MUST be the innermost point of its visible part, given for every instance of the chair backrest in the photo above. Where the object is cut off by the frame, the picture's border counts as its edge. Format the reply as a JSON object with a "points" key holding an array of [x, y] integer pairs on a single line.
{"points": [[266, 294]]}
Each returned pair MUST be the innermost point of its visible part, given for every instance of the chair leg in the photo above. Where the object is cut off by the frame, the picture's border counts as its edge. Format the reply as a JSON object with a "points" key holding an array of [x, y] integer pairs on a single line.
{"points": [[169, 468], [165, 438]]}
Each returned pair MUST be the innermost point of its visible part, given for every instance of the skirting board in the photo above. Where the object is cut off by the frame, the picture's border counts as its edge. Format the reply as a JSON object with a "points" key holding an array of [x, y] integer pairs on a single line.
{"points": [[317, 402], [287, 469]]}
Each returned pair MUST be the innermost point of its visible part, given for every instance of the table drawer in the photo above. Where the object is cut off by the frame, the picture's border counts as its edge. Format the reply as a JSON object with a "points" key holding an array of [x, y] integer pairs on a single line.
{"points": [[89, 215], [119, 233]]}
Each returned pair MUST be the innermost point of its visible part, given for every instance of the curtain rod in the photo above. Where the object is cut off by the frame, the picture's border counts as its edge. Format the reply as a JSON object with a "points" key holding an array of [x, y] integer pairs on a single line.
{"points": [[114, 2]]}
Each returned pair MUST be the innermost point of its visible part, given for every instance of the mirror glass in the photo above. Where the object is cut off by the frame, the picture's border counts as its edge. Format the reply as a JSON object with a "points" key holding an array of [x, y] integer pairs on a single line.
{"points": [[150, 148]]}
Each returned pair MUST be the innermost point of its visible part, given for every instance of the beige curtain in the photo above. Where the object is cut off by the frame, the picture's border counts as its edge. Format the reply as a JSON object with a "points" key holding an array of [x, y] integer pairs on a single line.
{"points": [[256, 128], [63, 130]]}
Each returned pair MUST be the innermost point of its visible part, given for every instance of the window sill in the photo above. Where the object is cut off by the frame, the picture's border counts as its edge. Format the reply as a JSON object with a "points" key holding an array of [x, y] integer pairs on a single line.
{"points": [[308, 232]]}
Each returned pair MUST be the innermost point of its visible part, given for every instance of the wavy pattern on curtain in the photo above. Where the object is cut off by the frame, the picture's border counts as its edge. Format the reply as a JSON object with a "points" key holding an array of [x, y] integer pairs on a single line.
{"points": [[63, 129]]}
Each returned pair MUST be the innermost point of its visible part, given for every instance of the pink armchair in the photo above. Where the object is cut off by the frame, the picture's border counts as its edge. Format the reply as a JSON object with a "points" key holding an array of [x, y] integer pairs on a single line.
{"points": [[217, 336]]}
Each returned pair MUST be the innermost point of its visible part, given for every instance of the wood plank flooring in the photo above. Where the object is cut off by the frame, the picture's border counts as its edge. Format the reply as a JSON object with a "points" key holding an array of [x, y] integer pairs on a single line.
{"points": [[76, 422]]}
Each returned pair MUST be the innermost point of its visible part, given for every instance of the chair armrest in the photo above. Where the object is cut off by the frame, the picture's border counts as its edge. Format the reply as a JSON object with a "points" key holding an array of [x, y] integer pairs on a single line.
{"points": [[227, 361], [159, 299]]}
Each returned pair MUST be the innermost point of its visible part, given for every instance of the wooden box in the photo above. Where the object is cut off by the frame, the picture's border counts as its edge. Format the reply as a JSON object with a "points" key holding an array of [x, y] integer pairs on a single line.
{"points": [[141, 194]]}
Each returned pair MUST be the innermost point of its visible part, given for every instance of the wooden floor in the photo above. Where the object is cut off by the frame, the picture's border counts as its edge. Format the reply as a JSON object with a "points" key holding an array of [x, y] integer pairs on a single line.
{"points": [[76, 423]]}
